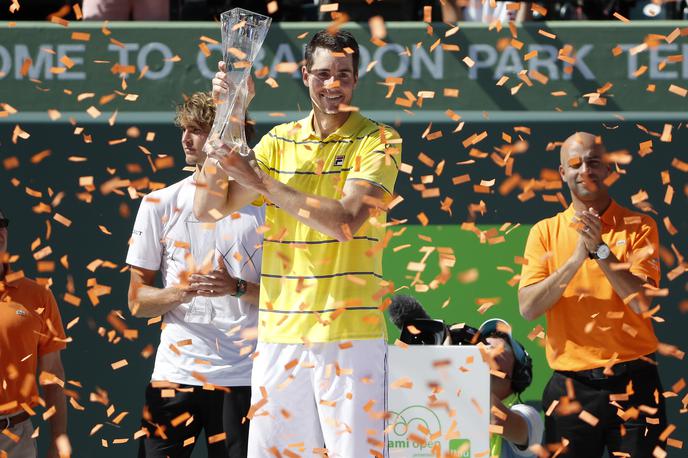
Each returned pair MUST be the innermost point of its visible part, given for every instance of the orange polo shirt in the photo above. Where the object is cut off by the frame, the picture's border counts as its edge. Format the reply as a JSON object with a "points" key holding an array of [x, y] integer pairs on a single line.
{"points": [[591, 322], [30, 327]]}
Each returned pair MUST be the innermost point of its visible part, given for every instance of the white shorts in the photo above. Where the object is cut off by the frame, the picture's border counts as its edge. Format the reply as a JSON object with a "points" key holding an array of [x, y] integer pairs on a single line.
{"points": [[327, 395]]}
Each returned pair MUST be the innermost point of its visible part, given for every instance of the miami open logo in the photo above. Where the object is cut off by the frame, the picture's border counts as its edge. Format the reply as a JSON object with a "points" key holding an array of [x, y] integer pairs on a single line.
{"points": [[416, 432]]}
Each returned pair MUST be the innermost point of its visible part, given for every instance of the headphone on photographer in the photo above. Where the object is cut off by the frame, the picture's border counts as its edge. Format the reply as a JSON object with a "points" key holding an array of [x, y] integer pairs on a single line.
{"points": [[522, 375]]}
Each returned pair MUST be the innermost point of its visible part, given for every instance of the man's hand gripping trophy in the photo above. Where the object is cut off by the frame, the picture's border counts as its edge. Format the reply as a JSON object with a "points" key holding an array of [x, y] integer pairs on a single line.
{"points": [[243, 33]]}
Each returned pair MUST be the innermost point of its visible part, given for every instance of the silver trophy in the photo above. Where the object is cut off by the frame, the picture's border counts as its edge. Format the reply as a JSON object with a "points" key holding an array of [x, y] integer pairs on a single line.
{"points": [[243, 33]]}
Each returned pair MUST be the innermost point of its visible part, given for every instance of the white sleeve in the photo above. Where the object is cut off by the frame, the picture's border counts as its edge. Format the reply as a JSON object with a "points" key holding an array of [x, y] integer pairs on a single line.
{"points": [[536, 429], [145, 246]]}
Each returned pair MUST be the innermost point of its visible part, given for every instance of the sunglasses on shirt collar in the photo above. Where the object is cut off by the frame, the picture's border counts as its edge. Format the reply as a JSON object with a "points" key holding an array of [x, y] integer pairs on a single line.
{"points": [[4, 222]]}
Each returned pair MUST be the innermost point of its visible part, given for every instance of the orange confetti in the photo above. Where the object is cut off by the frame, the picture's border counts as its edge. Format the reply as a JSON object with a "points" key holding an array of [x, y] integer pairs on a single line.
{"points": [[423, 219], [588, 418], [546, 34], [119, 364], [678, 90], [58, 20], [329, 7], [18, 132], [81, 36], [621, 18], [204, 49]]}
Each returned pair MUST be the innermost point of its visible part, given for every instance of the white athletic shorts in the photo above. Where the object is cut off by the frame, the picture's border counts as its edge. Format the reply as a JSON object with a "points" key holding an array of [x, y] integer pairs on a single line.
{"points": [[325, 397]]}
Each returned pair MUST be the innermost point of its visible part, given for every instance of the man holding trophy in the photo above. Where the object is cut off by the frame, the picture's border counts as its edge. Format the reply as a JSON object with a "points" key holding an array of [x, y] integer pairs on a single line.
{"points": [[319, 375]]}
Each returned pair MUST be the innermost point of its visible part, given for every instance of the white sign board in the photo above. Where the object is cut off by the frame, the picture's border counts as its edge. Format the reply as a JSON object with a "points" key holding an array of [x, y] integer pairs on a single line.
{"points": [[439, 402]]}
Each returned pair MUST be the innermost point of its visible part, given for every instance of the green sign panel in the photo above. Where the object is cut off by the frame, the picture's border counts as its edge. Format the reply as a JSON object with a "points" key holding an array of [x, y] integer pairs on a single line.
{"points": [[570, 66], [460, 448]]}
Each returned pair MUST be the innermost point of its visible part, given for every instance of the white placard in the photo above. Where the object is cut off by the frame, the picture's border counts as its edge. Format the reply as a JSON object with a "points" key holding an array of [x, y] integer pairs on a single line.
{"points": [[439, 397]]}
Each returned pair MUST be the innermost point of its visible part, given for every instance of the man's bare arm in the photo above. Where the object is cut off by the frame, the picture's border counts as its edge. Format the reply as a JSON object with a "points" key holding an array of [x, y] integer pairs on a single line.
{"points": [[220, 283], [626, 284], [54, 397], [216, 196], [339, 219], [536, 299], [515, 426], [147, 301]]}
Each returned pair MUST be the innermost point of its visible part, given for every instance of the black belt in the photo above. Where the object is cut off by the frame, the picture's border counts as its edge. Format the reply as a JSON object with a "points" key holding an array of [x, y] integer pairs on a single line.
{"points": [[9, 422], [617, 370]]}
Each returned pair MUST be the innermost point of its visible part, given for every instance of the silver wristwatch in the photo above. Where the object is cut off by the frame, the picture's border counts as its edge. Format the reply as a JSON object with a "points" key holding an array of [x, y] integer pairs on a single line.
{"points": [[602, 252]]}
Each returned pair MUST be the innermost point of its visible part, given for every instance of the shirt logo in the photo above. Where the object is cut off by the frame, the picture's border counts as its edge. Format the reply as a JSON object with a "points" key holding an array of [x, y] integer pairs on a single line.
{"points": [[21, 312], [135, 232], [339, 161]]}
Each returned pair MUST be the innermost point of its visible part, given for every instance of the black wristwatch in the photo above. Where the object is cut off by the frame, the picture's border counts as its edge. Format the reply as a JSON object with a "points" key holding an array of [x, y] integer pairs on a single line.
{"points": [[602, 252], [241, 287]]}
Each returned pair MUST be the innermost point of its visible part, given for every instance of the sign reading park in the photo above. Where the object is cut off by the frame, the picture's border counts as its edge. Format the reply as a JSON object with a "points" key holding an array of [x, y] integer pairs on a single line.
{"points": [[570, 66]]}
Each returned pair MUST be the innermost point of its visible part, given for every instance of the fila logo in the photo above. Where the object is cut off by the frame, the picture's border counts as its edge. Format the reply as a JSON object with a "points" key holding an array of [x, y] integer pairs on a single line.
{"points": [[339, 161]]}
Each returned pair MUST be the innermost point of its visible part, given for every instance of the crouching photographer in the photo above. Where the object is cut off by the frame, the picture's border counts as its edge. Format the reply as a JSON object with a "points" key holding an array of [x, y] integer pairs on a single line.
{"points": [[511, 371]]}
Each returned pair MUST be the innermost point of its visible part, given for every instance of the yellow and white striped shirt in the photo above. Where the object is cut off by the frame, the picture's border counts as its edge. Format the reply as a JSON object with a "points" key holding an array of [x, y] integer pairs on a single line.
{"points": [[314, 288]]}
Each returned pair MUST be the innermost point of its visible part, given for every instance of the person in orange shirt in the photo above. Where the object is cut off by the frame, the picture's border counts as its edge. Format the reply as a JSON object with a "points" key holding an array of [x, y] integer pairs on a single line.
{"points": [[588, 269], [31, 337]]}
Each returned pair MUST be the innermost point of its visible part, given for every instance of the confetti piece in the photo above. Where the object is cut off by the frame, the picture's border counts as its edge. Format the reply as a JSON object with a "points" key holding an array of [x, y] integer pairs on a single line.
{"points": [[621, 18], [119, 364], [222, 436], [377, 27], [204, 49], [286, 67], [93, 112], [678, 90], [329, 7], [423, 219], [209, 40], [58, 20], [671, 229], [62, 220], [427, 14], [81, 36], [666, 133], [450, 92]]}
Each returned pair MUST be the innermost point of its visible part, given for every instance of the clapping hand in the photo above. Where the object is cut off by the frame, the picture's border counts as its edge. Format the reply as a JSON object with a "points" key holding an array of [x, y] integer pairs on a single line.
{"points": [[215, 283]]}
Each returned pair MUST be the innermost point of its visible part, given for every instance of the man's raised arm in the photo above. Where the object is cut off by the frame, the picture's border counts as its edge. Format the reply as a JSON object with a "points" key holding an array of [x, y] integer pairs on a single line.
{"points": [[216, 195], [540, 289], [339, 219]]}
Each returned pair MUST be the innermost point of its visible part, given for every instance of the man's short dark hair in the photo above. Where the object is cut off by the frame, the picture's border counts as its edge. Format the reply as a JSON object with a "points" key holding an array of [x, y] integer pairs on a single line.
{"points": [[337, 41]]}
